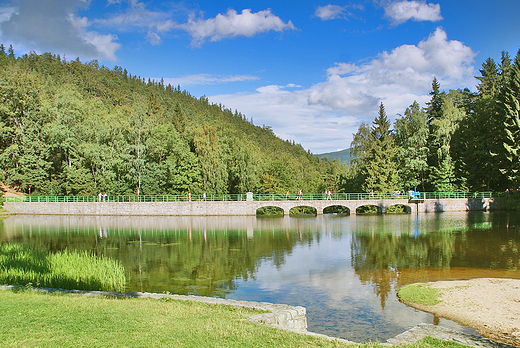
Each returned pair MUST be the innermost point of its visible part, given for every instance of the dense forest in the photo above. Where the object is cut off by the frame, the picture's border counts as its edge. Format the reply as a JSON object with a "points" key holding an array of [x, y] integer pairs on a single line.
{"points": [[460, 141], [73, 128]]}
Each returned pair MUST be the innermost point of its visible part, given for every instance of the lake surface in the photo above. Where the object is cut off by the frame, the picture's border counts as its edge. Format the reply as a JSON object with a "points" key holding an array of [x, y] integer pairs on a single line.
{"points": [[344, 269]]}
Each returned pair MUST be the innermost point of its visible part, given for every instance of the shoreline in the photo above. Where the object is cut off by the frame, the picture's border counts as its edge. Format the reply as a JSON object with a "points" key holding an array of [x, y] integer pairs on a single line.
{"points": [[289, 318], [489, 305]]}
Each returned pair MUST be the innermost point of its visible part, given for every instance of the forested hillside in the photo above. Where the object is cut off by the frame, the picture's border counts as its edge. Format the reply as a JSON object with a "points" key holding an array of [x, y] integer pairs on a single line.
{"points": [[72, 128], [460, 141]]}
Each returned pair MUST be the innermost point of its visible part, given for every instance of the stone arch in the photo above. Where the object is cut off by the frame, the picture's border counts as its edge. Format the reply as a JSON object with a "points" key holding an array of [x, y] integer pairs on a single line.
{"points": [[336, 209], [369, 209], [398, 208], [269, 210], [303, 210]]}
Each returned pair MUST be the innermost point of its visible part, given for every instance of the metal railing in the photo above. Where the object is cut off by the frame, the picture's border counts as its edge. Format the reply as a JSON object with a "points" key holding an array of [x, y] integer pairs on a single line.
{"points": [[375, 195], [256, 197], [129, 198]]}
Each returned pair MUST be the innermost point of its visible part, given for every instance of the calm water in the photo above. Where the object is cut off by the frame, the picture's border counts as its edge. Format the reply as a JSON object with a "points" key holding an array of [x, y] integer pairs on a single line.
{"points": [[344, 270]]}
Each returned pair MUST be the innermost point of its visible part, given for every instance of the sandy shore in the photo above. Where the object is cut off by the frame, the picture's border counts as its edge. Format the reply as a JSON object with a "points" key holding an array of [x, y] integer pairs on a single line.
{"points": [[489, 305]]}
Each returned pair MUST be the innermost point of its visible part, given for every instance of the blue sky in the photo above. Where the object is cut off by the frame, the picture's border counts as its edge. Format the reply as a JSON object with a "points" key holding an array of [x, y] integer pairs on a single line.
{"points": [[312, 70]]}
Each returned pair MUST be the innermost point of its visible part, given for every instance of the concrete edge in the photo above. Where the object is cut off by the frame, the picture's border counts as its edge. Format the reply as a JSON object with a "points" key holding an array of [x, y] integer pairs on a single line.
{"points": [[285, 317], [424, 330]]}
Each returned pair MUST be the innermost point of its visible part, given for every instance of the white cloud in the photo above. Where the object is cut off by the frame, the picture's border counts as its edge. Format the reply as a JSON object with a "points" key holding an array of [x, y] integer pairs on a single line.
{"points": [[205, 79], [136, 16], [328, 113], [233, 24], [53, 25], [403, 11], [104, 45], [330, 12], [406, 70]]}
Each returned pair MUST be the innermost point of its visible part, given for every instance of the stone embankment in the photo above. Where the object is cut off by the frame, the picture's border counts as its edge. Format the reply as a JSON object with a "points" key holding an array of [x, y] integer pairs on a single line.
{"points": [[293, 318]]}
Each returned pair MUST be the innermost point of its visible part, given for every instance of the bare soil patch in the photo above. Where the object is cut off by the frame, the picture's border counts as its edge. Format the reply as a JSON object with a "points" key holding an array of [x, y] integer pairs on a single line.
{"points": [[489, 305]]}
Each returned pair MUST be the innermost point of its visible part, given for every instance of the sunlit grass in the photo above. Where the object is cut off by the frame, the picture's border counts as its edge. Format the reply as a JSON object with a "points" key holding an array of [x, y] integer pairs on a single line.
{"points": [[22, 266], [419, 293], [32, 319]]}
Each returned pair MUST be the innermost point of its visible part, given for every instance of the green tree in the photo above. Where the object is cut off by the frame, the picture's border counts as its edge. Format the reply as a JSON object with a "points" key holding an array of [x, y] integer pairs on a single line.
{"points": [[510, 106], [381, 161], [442, 175], [412, 134]]}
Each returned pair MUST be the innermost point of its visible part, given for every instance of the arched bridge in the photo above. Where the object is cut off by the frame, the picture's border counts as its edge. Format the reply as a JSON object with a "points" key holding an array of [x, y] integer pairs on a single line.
{"points": [[229, 205], [352, 205]]}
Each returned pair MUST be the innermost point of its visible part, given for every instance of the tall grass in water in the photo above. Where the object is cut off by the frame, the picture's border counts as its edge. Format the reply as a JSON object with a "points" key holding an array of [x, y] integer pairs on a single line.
{"points": [[20, 265]]}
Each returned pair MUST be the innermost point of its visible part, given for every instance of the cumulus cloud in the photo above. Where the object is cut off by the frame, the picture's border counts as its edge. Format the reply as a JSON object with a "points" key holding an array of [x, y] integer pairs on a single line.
{"points": [[403, 11], [406, 70], [351, 93], [53, 25], [205, 79], [233, 24]]}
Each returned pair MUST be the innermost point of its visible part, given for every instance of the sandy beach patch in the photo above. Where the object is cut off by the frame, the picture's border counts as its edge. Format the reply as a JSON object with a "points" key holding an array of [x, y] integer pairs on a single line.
{"points": [[489, 305]]}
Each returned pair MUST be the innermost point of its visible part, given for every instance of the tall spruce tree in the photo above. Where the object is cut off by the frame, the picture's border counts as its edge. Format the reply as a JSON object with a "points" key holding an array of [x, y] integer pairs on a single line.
{"points": [[510, 106], [381, 162], [480, 134]]}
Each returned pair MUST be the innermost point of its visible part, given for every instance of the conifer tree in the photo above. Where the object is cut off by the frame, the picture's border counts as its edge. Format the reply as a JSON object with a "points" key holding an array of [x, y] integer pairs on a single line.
{"points": [[480, 134], [381, 162], [510, 106]]}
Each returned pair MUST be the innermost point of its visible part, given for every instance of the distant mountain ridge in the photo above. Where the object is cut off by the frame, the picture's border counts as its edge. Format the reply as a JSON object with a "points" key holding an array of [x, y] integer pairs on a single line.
{"points": [[341, 156]]}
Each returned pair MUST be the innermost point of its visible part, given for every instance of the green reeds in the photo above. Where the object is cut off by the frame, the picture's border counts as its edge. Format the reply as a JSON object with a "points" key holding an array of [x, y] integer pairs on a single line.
{"points": [[22, 266]]}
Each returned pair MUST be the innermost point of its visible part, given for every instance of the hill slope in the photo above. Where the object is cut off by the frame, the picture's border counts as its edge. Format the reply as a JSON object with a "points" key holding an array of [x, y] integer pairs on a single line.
{"points": [[72, 128], [342, 156]]}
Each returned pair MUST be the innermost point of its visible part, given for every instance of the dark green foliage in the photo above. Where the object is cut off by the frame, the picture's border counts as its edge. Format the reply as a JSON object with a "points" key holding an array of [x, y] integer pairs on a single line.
{"points": [[72, 128], [510, 106], [381, 168]]}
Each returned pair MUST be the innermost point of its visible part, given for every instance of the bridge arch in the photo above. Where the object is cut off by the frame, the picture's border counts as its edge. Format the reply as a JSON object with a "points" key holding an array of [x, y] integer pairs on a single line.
{"points": [[370, 208], [337, 209], [270, 210], [303, 209], [398, 208]]}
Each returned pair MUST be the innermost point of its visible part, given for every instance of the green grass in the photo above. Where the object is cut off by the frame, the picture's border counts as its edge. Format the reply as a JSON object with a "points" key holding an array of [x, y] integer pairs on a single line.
{"points": [[419, 293], [22, 266], [31, 319]]}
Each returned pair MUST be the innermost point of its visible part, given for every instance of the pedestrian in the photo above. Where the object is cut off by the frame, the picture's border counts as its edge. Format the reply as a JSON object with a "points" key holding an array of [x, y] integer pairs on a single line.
{"points": [[99, 196], [204, 195], [189, 196]]}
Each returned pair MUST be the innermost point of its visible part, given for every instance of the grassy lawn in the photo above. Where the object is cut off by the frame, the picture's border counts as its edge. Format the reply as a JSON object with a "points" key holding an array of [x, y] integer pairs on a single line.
{"points": [[31, 319]]}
